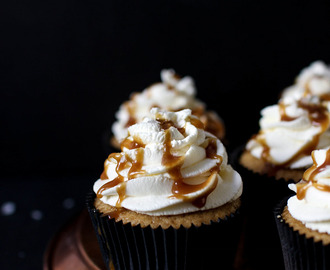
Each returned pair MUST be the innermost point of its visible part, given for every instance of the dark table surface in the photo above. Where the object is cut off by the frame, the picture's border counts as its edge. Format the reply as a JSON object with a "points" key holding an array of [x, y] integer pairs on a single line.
{"points": [[33, 210]]}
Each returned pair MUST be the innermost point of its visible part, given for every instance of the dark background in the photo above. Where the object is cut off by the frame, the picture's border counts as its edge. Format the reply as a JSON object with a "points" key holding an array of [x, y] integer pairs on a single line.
{"points": [[66, 66]]}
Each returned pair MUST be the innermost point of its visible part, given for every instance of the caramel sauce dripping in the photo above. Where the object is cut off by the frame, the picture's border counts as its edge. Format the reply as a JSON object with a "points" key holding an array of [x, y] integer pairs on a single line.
{"points": [[180, 189], [197, 123], [129, 144], [318, 115], [122, 162], [325, 97], [310, 175], [283, 114], [308, 92], [173, 163]]}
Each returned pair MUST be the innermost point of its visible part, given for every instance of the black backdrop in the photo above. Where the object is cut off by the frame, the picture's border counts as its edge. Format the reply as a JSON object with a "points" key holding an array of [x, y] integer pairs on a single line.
{"points": [[66, 66]]}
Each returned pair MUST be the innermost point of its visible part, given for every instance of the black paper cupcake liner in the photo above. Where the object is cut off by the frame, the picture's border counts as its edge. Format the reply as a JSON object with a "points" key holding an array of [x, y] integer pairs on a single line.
{"points": [[132, 247], [260, 241], [300, 252]]}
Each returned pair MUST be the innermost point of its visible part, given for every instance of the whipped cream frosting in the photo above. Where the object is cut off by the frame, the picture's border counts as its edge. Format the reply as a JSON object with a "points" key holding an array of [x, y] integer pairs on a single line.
{"points": [[311, 205], [313, 80], [172, 94], [290, 130], [168, 165]]}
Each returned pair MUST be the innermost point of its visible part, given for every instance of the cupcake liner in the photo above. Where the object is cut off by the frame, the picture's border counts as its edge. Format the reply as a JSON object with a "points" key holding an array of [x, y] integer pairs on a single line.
{"points": [[300, 252], [124, 246], [260, 242]]}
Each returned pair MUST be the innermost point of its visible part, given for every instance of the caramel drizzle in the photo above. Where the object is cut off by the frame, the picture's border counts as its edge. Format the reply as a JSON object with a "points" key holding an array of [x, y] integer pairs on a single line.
{"points": [[179, 188], [173, 163], [318, 115], [123, 162], [310, 175], [308, 92]]}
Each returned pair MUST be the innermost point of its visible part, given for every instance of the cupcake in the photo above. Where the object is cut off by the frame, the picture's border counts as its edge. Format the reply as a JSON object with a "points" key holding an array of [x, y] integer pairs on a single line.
{"points": [[172, 94], [169, 199], [290, 130], [312, 81], [294, 127], [277, 155], [303, 221]]}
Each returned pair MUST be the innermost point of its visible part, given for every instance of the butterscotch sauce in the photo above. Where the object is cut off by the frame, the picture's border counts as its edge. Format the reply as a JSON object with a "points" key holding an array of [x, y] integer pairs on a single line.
{"points": [[211, 150], [308, 92], [197, 123], [318, 115], [166, 124], [123, 162], [172, 162], [302, 188], [283, 114], [136, 167], [179, 187], [210, 122], [325, 97], [310, 175], [129, 144], [121, 190], [198, 111], [131, 121]]}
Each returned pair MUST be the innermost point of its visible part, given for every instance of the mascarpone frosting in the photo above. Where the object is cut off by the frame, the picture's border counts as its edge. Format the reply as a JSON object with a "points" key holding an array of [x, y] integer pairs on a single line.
{"points": [[291, 129], [171, 94], [311, 205], [313, 80], [168, 165]]}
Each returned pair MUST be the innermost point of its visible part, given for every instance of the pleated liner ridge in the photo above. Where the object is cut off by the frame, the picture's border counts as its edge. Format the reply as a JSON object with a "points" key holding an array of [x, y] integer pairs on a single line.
{"points": [[132, 247], [300, 252]]}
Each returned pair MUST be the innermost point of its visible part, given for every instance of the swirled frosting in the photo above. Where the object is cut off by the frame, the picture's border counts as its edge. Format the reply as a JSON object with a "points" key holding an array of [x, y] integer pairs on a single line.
{"points": [[312, 81], [168, 165], [172, 94], [311, 205], [290, 130]]}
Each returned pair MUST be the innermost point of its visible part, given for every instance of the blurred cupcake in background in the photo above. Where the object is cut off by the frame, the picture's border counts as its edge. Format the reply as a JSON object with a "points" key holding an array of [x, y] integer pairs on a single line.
{"points": [[173, 93], [303, 221], [293, 128], [313, 80], [289, 131], [169, 199], [279, 154]]}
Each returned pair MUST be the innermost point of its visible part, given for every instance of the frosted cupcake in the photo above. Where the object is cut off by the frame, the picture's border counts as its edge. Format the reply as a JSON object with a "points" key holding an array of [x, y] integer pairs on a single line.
{"points": [[289, 131], [294, 127], [172, 94], [169, 198], [312, 81], [304, 224], [277, 155]]}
